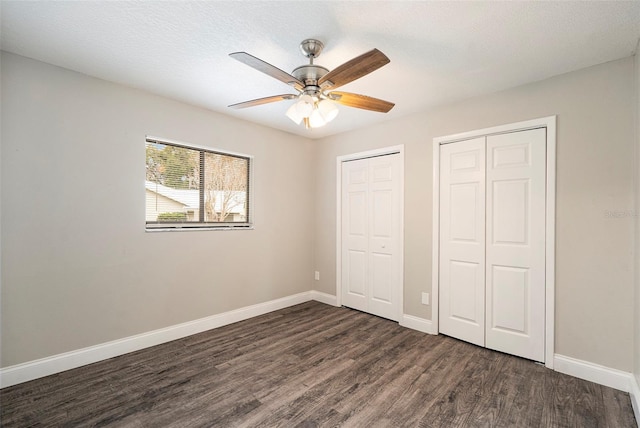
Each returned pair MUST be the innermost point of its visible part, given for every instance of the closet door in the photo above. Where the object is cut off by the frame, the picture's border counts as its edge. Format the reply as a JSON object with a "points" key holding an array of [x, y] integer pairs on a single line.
{"points": [[462, 240], [515, 249], [371, 228]]}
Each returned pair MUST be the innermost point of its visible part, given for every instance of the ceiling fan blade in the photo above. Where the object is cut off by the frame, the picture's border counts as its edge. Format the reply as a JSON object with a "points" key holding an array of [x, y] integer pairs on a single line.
{"points": [[361, 101], [354, 69], [265, 100], [267, 68]]}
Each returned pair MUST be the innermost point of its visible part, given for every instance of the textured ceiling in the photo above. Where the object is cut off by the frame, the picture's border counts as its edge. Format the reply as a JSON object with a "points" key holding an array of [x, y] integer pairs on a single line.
{"points": [[440, 51]]}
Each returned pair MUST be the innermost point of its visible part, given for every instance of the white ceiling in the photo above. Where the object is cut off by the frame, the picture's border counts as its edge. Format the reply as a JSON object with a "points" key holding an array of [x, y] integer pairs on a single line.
{"points": [[440, 51]]}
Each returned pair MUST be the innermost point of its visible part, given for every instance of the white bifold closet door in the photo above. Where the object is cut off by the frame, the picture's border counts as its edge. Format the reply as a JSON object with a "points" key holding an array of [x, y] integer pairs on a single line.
{"points": [[492, 242], [462, 240], [371, 264]]}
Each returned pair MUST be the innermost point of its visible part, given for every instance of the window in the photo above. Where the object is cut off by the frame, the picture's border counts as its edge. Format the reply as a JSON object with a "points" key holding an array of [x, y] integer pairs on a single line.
{"points": [[194, 188]]}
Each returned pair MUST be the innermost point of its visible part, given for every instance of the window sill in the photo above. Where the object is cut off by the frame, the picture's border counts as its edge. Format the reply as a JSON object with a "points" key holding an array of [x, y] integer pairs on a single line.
{"points": [[197, 229]]}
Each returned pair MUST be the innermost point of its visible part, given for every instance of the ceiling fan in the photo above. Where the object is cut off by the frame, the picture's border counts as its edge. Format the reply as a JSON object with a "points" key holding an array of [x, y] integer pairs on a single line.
{"points": [[315, 85]]}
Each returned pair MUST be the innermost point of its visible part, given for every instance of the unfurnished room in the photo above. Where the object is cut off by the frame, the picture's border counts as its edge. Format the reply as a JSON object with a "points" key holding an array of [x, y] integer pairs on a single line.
{"points": [[319, 213]]}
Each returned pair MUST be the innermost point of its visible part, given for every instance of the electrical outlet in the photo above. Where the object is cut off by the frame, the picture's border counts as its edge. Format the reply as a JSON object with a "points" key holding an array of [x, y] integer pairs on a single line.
{"points": [[317, 276], [425, 298]]}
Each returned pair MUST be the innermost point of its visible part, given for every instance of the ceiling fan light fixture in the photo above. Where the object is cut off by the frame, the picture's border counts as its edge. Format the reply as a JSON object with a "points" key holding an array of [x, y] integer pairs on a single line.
{"points": [[314, 113], [328, 110], [304, 105], [292, 113], [316, 120]]}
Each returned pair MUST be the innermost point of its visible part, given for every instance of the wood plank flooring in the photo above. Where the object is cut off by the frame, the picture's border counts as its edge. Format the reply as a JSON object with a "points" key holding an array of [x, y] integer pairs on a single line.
{"points": [[314, 365]]}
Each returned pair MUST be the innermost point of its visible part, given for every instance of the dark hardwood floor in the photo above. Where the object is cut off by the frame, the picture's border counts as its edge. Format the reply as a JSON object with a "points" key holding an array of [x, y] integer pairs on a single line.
{"points": [[314, 365]]}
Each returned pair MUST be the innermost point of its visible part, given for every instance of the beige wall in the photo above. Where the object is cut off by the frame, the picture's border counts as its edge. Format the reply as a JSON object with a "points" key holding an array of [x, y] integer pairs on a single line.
{"points": [[78, 268], [594, 266]]}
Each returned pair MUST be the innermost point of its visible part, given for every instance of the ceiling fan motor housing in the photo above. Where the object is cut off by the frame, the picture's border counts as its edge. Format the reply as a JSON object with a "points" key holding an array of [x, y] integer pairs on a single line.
{"points": [[309, 74]]}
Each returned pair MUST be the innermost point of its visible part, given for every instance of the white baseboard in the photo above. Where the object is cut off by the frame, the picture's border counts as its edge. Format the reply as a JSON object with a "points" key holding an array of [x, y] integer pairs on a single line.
{"points": [[593, 372], [321, 297], [634, 394], [24, 372], [416, 323]]}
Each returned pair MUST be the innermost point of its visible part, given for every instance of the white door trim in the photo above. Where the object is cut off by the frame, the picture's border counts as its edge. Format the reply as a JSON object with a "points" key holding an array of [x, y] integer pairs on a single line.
{"points": [[545, 122], [363, 155]]}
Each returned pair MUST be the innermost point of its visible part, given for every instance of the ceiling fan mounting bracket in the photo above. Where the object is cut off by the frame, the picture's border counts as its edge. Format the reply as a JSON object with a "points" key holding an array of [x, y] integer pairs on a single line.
{"points": [[311, 48]]}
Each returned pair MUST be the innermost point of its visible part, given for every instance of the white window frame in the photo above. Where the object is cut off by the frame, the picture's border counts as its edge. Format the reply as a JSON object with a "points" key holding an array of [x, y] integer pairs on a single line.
{"points": [[180, 227]]}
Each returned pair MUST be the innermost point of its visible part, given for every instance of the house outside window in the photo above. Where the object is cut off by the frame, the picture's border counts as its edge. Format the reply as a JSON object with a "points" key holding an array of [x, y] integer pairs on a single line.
{"points": [[189, 187]]}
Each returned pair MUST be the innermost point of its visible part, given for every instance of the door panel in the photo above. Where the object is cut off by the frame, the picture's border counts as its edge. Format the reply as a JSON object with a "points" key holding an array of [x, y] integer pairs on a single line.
{"points": [[464, 291], [357, 213], [463, 225], [510, 212], [510, 299], [382, 267], [371, 228], [462, 240], [357, 268], [515, 253], [382, 213]]}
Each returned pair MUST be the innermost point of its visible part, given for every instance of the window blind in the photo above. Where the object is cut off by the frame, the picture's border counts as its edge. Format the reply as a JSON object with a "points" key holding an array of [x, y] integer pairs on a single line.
{"points": [[189, 187]]}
